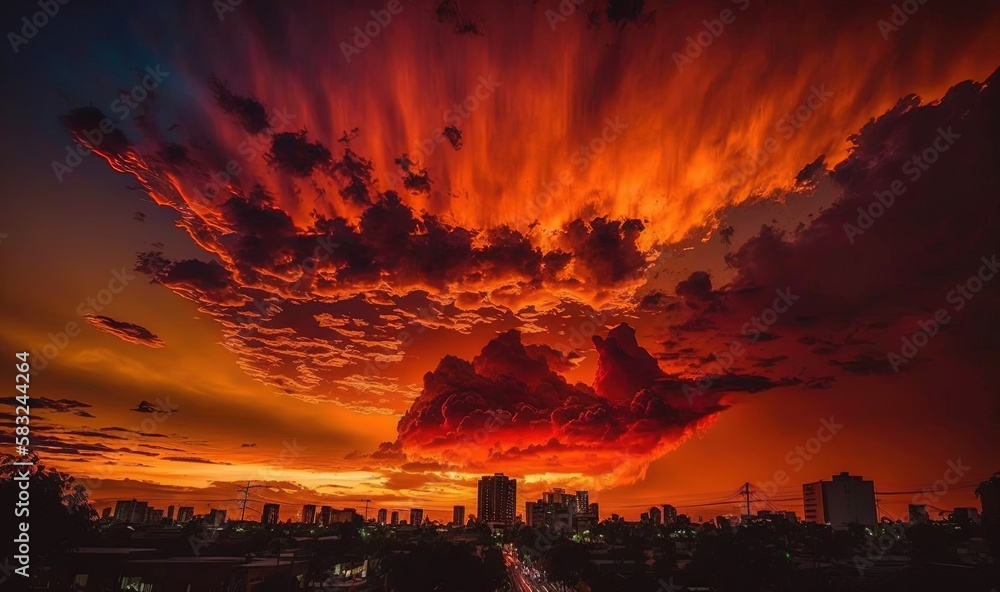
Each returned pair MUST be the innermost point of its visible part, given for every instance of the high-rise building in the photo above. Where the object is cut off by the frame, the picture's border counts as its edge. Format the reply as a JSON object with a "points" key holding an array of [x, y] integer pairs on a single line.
{"points": [[185, 513], [595, 511], [529, 511], [846, 499], [458, 516], [344, 516], [139, 510], [123, 510], [561, 511], [270, 514], [655, 516], [394, 518], [416, 516], [382, 513], [325, 513], [216, 517], [497, 499], [170, 513], [154, 516], [669, 514], [308, 513]]}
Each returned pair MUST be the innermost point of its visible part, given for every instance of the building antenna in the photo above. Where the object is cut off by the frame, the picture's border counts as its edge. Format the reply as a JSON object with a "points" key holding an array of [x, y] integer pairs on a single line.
{"points": [[367, 501]]}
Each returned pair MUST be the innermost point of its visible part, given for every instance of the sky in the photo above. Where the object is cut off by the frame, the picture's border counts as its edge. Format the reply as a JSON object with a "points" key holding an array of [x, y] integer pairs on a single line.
{"points": [[373, 251]]}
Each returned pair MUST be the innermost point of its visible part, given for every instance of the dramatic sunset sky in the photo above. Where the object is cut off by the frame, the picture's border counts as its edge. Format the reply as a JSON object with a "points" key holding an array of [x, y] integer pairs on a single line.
{"points": [[575, 247]]}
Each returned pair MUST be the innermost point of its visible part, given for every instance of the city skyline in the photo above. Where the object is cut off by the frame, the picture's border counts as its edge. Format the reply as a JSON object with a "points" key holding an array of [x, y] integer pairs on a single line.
{"points": [[812, 506]]}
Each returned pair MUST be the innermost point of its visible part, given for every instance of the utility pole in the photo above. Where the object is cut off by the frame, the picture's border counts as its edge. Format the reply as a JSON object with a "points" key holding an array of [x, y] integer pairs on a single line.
{"points": [[746, 494], [246, 496]]}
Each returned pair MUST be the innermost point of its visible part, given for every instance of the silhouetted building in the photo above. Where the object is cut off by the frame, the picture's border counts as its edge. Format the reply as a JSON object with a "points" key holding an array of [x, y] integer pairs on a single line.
{"points": [[458, 516], [382, 515], [560, 511], [139, 512], [185, 513], [416, 516], [847, 499], [270, 514], [669, 514], [216, 517], [154, 516], [344, 516], [131, 511], [582, 502], [309, 513], [918, 514], [325, 513], [497, 498], [123, 510], [966, 516], [595, 511], [170, 513], [529, 510], [655, 516], [394, 518]]}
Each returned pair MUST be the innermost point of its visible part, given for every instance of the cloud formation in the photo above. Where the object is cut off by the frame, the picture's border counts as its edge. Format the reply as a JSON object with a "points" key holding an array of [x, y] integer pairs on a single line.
{"points": [[508, 408], [129, 332]]}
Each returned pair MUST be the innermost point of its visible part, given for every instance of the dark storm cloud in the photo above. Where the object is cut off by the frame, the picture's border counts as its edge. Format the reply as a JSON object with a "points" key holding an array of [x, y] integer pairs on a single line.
{"points": [[147, 407], [293, 153], [196, 280], [194, 459], [917, 218], [92, 128], [606, 251], [129, 332], [55, 405], [251, 113]]}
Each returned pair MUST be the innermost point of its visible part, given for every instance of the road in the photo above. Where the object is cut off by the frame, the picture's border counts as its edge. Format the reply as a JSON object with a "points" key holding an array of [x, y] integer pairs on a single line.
{"points": [[525, 579]]}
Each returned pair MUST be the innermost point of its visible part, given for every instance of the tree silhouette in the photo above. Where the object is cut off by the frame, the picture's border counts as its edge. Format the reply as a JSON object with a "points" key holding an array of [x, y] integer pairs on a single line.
{"points": [[60, 516]]}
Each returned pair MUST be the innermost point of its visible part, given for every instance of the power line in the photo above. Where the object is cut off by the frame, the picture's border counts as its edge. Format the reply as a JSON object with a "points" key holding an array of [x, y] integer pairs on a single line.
{"points": [[246, 496]]}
